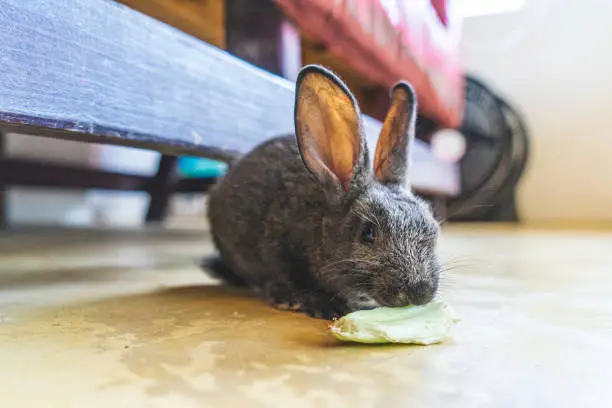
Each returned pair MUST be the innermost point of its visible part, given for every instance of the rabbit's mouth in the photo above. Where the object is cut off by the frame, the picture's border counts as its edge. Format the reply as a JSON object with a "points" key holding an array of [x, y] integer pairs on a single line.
{"points": [[399, 300], [416, 295], [363, 301]]}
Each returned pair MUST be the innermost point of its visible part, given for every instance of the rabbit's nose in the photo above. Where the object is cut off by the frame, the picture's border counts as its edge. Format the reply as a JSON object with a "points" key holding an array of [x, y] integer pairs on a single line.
{"points": [[421, 293]]}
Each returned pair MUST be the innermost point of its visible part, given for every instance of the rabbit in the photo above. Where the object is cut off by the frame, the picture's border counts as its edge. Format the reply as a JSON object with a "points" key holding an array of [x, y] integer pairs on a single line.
{"points": [[305, 221]]}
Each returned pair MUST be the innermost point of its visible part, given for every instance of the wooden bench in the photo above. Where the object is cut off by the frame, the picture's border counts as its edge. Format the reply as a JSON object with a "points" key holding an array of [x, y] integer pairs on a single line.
{"points": [[98, 71]]}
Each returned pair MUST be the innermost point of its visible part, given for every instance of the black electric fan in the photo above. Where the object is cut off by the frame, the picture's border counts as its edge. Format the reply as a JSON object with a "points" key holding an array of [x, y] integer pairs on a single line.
{"points": [[497, 148]]}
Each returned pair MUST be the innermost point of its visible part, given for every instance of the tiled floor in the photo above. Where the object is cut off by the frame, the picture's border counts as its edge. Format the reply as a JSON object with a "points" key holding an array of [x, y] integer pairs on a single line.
{"points": [[126, 319]]}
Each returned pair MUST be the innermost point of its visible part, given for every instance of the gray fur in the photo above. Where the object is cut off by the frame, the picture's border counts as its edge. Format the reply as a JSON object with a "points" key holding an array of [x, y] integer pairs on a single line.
{"points": [[278, 230]]}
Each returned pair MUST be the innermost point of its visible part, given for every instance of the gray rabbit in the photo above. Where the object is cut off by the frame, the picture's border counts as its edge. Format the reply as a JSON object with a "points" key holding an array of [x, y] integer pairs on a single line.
{"points": [[306, 221]]}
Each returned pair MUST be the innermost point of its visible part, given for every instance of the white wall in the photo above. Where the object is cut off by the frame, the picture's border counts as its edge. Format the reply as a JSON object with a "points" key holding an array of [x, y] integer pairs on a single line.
{"points": [[554, 60]]}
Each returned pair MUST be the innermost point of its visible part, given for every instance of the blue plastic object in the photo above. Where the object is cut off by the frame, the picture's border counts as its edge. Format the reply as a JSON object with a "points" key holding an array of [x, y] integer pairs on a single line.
{"points": [[197, 167]]}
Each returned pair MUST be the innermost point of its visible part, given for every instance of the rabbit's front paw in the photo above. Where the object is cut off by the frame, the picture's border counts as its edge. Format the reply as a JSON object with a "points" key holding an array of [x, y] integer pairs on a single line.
{"points": [[282, 297], [322, 307], [288, 304]]}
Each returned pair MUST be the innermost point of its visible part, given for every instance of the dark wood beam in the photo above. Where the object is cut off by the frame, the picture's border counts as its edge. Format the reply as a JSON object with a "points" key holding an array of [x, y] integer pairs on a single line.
{"points": [[30, 173]]}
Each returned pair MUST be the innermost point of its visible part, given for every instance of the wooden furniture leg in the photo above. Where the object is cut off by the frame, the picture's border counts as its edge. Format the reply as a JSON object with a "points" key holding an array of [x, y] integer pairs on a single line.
{"points": [[163, 185]]}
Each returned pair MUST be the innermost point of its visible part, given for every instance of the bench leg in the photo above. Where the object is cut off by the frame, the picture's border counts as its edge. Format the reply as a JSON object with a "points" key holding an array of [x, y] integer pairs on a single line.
{"points": [[162, 187]]}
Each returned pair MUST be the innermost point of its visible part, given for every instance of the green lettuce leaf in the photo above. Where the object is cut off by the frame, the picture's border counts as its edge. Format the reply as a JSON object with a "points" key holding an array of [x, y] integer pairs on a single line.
{"points": [[427, 324]]}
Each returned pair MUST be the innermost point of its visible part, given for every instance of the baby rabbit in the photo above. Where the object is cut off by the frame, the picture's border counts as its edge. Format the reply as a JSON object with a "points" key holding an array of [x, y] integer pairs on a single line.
{"points": [[306, 221]]}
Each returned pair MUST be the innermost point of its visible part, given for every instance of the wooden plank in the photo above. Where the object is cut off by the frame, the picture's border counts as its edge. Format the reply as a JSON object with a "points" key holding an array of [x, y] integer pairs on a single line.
{"points": [[204, 19], [30, 173], [99, 71]]}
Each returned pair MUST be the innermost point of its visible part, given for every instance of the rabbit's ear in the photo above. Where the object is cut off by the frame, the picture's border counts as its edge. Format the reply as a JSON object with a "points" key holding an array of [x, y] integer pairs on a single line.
{"points": [[329, 131], [392, 159]]}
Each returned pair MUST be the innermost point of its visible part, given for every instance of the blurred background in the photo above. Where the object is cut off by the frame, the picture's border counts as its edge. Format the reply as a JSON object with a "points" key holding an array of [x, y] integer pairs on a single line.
{"points": [[513, 95]]}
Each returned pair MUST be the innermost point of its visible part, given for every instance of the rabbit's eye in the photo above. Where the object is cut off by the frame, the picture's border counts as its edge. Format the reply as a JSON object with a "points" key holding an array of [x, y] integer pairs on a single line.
{"points": [[368, 234]]}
